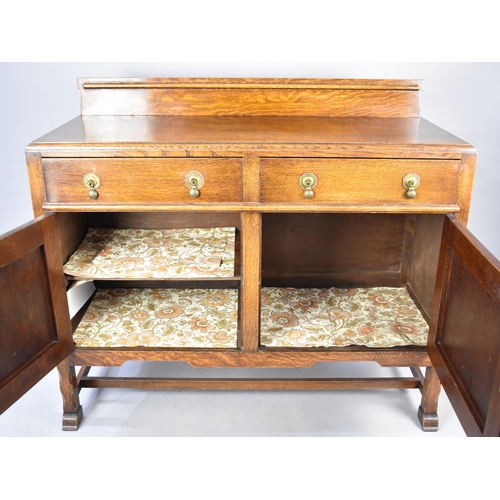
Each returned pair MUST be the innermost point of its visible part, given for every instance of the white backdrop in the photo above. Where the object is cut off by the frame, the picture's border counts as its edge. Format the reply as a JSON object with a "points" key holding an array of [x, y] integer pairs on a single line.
{"points": [[462, 98]]}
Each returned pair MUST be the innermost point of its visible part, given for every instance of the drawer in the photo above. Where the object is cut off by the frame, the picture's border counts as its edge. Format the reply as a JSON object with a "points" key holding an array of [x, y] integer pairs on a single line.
{"points": [[359, 181], [139, 180]]}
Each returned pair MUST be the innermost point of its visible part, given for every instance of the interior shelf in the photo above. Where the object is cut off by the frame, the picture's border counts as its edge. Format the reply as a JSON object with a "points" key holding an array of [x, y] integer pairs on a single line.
{"points": [[378, 317], [179, 318], [134, 254]]}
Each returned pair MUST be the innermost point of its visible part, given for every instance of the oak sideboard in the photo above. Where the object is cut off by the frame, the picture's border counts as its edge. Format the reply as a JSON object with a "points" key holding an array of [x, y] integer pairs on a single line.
{"points": [[253, 223]]}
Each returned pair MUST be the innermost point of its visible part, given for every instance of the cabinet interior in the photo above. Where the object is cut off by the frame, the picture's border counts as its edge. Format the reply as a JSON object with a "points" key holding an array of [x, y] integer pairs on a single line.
{"points": [[156, 312], [377, 253], [353, 251]]}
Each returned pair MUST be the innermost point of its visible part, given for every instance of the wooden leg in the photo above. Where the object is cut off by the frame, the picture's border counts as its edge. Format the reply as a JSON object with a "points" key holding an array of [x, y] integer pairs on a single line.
{"points": [[72, 410], [427, 411]]}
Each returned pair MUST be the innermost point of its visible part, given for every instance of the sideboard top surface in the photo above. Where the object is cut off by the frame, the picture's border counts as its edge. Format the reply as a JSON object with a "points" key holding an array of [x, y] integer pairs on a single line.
{"points": [[259, 132], [250, 115]]}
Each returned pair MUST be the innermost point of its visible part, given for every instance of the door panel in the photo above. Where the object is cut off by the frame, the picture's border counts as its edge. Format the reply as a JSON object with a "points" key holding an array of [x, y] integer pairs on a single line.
{"points": [[35, 328], [464, 341]]}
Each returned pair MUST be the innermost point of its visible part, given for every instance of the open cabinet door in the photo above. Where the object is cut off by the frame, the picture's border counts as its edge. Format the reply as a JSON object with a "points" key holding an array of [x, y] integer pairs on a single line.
{"points": [[464, 338], [35, 327]]}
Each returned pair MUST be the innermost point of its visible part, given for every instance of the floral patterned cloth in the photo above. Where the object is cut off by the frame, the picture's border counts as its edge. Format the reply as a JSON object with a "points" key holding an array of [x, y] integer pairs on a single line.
{"points": [[372, 317], [160, 318], [185, 318], [148, 253]]}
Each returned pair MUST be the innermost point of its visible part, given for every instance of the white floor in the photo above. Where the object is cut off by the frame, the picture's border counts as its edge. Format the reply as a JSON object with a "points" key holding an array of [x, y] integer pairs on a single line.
{"points": [[123, 412]]}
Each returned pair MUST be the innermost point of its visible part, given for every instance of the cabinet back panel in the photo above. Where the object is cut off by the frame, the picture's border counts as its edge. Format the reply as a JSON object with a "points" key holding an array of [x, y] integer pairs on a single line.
{"points": [[343, 249], [162, 220]]}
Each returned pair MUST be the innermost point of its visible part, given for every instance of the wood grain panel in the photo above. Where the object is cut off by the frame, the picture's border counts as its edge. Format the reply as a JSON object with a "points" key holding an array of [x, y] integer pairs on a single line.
{"points": [[251, 184], [423, 262], [72, 230], [251, 242], [374, 182], [223, 97], [354, 248], [162, 220], [24, 303], [464, 336], [35, 328], [472, 340], [465, 184], [143, 181], [37, 185], [264, 358], [198, 136]]}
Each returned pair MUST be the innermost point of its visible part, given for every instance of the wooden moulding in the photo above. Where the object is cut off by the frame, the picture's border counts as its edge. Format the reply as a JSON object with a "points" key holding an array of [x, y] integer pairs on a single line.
{"points": [[241, 149], [228, 83], [265, 358], [252, 207], [250, 97]]}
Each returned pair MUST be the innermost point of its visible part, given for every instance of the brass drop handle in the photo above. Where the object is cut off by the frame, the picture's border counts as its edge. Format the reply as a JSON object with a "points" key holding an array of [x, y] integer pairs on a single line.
{"points": [[194, 181], [411, 183], [92, 182], [308, 182]]}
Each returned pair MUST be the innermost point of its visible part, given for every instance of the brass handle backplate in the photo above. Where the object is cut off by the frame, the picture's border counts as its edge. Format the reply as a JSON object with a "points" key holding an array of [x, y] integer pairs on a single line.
{"points": [[194, 181], [411, 183], [92, 182], [308, 182]]}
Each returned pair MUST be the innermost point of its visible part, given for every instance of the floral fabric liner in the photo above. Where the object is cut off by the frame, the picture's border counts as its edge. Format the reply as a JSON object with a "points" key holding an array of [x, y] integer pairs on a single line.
{"points": [[150, 253], [144, 317], [379, 317], [373, 317]]}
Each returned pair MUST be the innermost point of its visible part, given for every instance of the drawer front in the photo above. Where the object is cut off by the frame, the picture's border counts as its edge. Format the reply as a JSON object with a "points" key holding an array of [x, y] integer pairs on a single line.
{"points": [[360, 182], [139, 180]]}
